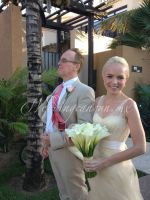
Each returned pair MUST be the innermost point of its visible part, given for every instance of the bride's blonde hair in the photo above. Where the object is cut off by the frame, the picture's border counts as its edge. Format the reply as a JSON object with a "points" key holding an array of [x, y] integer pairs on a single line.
{"points": [[117, 59]]}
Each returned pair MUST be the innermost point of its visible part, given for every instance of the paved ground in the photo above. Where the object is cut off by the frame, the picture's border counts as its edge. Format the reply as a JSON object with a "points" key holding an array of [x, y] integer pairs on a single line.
{"points": [[145, 186], [142, 163]]}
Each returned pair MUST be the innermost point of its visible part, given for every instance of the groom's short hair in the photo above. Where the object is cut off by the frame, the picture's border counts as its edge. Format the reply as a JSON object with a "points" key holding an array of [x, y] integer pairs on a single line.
{"points": [[78, 57]]}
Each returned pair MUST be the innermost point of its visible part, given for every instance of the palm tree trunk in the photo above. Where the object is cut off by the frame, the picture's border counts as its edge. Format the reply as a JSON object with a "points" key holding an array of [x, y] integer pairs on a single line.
{"points": [[34, 176]]}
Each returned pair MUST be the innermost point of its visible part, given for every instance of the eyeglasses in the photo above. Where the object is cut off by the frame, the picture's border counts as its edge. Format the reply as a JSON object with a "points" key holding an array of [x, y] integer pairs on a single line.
{"points": [[64, 60]]}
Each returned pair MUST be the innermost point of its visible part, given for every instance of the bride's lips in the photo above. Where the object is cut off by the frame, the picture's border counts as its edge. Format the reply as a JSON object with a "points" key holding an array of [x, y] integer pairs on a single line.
{"points": [[114, 87]]}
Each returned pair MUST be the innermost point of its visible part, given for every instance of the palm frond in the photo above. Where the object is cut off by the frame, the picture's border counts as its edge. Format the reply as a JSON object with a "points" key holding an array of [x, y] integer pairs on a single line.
{"points": [[114, 44], [50, 76], [18, 127], [128, 39], [133, 39], [19, 79], [20, 73], [140, 21], [117, 23], [5, 93], [133, 27]]}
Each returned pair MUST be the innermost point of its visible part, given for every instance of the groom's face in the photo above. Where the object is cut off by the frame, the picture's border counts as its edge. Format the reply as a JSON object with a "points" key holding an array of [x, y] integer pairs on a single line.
{"points": [[67, 66]]}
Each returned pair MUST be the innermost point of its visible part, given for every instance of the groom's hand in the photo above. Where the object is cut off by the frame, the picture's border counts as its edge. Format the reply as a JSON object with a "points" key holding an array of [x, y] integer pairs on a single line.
{"points": [[44, 152], [45, 140]]}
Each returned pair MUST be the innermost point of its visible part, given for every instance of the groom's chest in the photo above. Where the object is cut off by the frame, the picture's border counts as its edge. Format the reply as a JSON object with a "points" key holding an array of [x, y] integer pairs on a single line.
{"points": [[68, 101]]}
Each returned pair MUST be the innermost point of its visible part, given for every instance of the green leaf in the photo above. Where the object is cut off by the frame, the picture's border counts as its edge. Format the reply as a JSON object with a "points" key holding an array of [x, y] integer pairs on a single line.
{"points": [[19, 127]]}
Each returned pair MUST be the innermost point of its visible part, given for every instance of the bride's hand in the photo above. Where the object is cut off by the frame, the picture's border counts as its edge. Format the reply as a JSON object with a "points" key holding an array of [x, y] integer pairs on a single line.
{"points": [[68, 140], [94, 165]]}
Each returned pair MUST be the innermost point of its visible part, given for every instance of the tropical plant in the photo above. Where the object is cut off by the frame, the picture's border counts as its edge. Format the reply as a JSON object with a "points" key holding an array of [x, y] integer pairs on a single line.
{"points": [[12, 97], [13, 101], [132, 27], [49, 79]]}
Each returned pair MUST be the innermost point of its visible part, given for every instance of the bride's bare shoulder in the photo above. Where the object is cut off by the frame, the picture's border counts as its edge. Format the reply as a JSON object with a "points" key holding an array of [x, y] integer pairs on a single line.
{"points": [[130, 106], [129, 102]]}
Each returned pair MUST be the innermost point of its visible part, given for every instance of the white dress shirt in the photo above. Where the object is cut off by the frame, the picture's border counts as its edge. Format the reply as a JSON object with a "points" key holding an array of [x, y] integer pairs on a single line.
{"points": [[49, 123]]}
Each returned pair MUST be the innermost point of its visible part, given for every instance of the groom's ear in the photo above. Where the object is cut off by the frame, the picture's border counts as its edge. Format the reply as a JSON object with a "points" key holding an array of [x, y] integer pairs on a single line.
{"points": [[78, 67]]}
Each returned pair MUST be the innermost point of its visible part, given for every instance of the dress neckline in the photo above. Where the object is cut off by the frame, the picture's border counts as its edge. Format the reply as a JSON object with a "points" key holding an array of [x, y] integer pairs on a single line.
{"points": [[107, 116], [117, 108]]}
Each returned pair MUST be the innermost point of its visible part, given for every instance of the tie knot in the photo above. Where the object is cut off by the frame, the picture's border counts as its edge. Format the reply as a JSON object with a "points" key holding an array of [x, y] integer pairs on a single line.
{"points": [[61, 85]]}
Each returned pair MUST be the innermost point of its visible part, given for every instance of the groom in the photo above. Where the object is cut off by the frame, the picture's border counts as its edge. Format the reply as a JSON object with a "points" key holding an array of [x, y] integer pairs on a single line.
{"points": [[74, 100]]}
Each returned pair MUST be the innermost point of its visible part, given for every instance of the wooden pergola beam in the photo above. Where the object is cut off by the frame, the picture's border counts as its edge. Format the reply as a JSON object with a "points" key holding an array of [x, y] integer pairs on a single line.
{"points": [[71, 20], [55, 13], [59, 15], [1, 7], [58, 26], [77, 20], [79, 8]]}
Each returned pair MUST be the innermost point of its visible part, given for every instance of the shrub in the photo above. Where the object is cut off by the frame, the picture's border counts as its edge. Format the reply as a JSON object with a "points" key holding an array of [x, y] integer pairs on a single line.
{"points": [[142, 94], [13, 95]]}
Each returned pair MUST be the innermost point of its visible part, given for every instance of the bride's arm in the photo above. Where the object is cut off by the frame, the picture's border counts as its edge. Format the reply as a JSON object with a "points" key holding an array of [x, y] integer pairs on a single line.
{"points": [[138, 138], [136, 129]]}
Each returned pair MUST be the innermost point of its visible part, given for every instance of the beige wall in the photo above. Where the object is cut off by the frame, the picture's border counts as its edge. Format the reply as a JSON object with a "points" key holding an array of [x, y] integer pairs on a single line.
{"points": [[131, 4], [49, 36], [24, 46], [135, 57], [10, 41]]}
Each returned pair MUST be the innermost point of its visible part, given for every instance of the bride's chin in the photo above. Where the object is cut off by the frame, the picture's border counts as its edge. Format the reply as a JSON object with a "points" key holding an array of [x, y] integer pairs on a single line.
{"points": [[114, 92]]}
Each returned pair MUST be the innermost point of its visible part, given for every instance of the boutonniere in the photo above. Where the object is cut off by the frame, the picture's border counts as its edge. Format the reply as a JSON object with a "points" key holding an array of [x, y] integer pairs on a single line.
{"points": [[69, 90]]}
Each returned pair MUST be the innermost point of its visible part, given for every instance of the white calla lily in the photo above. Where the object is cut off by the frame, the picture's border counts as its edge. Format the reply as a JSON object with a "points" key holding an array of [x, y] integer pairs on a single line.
{"points": [[86, 136]]}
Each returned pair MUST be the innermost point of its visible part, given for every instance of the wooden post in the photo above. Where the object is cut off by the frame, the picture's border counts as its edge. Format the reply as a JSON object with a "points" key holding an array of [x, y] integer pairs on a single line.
{"points": [[90, 48]]}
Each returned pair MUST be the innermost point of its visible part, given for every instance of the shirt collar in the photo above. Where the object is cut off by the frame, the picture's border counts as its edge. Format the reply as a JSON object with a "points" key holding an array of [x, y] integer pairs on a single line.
{"points": [[70, 82]]}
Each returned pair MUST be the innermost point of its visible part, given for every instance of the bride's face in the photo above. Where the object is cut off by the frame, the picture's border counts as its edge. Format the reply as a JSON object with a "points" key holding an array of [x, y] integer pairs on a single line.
{"points": [[114, 77]]}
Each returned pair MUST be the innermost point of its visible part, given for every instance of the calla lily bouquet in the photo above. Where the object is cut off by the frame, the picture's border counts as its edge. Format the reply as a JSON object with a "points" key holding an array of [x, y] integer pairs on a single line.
{"points": [[85, 138]]}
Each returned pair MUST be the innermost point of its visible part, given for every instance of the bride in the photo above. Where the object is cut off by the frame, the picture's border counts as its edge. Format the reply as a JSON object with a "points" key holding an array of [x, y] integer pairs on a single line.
{"points": [[116, 176]]}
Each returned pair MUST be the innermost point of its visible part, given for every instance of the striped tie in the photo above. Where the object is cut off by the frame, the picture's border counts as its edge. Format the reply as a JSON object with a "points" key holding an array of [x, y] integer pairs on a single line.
{"points": [[57, 119]]}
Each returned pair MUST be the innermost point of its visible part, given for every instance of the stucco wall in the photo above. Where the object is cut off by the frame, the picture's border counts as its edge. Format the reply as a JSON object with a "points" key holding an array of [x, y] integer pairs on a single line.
{"points": [[24, 46], [10, 41], [135, 57], [49, 36], [131, 4], [80, 41]]}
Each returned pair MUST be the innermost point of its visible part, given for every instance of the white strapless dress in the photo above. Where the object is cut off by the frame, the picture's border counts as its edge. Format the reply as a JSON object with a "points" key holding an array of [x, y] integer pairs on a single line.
{"points": [[120, 181]]}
